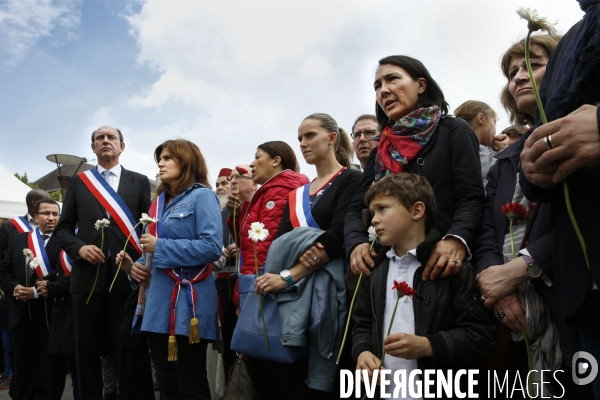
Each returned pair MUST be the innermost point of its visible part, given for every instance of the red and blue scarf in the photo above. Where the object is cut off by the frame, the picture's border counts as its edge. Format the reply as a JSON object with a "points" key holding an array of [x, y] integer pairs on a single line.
{"points": [[400, 143]]}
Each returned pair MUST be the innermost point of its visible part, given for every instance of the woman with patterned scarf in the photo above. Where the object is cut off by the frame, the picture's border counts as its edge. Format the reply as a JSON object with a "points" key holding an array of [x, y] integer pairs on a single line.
{"points": [[419, 136]]}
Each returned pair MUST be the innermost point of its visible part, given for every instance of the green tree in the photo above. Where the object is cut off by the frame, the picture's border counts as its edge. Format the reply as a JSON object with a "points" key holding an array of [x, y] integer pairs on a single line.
{"points": [[55, 195], [23, 178]]}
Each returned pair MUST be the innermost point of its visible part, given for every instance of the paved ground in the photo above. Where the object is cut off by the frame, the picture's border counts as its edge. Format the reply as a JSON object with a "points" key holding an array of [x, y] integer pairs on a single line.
{"points": [[67, 395]]}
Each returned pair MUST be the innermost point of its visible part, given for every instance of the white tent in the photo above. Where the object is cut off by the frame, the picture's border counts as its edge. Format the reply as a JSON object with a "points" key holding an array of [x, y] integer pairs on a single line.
{"points": [[12, 194]]}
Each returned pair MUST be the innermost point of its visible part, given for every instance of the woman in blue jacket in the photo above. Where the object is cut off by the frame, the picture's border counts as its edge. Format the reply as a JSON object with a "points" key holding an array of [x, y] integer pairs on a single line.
{"points": [[180, 310]]}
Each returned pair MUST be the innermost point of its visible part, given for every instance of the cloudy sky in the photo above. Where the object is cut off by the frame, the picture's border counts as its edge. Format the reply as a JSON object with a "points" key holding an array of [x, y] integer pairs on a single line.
{"points": [[229, 75]]}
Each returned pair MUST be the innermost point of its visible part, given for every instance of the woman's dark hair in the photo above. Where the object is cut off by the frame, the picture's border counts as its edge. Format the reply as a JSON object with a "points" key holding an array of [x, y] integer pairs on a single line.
{"points": [[343, 148], [547, 44], [432, 95], [192, 165], [282, 150]]}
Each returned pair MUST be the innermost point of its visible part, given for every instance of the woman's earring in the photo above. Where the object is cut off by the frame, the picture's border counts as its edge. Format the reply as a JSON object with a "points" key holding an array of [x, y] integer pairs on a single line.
{"points": [[330, 146]]}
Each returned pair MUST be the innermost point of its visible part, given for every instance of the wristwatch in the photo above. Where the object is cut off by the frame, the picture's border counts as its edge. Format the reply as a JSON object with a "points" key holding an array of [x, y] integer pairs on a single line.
{"points": [[533, 270], [287, 276]]}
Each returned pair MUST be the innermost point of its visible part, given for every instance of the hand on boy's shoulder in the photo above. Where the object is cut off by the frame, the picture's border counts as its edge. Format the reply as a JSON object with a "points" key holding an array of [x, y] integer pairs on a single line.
{"points": [[407, 346]]}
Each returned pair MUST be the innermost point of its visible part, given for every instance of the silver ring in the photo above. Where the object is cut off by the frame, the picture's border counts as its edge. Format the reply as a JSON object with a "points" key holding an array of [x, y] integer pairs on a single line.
{"points": [[311, 262], [483, 298], [548, 141], [142, 246], [501, 315], [264, 285]]}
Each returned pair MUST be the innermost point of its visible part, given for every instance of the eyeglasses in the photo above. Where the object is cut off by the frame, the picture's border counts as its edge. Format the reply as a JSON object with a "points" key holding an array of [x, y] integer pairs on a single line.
{"points": [[48, 213], [367, 133], [236, 177]]}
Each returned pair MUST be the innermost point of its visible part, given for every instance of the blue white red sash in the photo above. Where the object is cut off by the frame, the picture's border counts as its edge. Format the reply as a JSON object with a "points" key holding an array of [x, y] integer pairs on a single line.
{"points": [[66, 263], [299, 205], [36, 245], [113, 203], [21, 224]]}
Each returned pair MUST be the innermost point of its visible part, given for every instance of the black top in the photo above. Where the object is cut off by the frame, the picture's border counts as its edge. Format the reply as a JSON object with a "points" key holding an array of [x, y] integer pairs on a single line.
{"points": [[573, 278], [450, 161], [329, 212]]}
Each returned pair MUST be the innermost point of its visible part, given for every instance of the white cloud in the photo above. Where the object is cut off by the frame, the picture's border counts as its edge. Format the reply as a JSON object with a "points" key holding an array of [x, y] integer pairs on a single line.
{"points": [[24, 22], [234, 74]]}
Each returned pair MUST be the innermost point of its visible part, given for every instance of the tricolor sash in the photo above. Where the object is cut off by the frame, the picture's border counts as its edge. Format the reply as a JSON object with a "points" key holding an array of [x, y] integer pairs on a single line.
{"points": [[21, 224], [112, 202], [66, 263], [299, 206], [36, 245]]}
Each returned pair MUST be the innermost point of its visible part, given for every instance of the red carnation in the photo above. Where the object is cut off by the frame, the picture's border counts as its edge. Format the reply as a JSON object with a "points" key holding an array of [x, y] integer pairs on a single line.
{"points": [[403, 289], [242, 170], [514, 211]]}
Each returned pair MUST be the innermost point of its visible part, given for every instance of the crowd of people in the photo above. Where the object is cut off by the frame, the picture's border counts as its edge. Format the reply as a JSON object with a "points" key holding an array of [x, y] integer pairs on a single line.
{"points": [[444, 246]]}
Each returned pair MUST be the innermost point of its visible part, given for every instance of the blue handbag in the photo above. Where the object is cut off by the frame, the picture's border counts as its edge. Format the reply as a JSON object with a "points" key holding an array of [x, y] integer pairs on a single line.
{"points": [[248, 336]]}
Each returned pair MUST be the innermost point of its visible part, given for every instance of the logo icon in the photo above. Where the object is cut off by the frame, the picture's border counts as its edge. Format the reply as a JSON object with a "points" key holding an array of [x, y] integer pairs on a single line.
{"points": [[585, 368]]}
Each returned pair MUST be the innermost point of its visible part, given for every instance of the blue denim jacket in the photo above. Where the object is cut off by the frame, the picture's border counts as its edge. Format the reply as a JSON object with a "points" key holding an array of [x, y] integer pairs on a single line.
{"points": [[193, 225], [313, 311]]}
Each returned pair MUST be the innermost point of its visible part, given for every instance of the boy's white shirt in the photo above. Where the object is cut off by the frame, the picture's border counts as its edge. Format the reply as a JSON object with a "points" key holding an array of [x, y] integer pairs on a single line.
{"points": [[401, 269]]}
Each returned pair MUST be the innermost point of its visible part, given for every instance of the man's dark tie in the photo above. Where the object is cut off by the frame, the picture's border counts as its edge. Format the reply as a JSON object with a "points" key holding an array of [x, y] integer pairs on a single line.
{"points": [[44, 238]]}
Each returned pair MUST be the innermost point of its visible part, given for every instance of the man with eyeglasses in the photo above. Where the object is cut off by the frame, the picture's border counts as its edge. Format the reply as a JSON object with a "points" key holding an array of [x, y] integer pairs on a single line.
{"points": [[28, 311], [364, 129], [247, 187]]}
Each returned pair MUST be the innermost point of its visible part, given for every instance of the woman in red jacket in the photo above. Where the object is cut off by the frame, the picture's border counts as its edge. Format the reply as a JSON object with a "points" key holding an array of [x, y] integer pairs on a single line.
{"points": [[273, 168]]}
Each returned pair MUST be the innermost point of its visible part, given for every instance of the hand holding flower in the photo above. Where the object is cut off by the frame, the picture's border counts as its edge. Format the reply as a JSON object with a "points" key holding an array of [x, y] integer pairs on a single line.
{"points": [[91, 254], [125, 261], [138, 272], [42, 288], [149, 242], [407, 346]]}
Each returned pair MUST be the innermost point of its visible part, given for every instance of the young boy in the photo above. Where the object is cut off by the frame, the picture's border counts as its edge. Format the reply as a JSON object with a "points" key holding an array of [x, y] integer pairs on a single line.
{"points": [[445, 326]]}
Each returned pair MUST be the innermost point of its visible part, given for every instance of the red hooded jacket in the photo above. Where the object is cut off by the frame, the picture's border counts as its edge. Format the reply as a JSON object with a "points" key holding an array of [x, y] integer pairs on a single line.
{"points": [[266, 206]]}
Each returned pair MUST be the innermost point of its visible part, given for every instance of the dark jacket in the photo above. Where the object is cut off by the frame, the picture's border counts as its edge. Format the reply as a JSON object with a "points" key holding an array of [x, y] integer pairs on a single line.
{"points": [[502, 179], [82, 210], [61, 339], [7, 232], [450, 314], [12, 273], [573, 279], [329, 212], [450, 161]]}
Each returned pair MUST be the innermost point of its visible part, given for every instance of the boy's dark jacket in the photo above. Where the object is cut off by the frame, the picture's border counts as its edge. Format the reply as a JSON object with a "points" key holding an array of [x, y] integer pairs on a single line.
{"points": [[451, 314]]}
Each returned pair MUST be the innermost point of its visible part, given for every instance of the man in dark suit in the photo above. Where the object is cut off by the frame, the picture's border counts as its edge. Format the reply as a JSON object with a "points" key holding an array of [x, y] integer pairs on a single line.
{"points": [[8, 229], [96, 318], [27, 318]]}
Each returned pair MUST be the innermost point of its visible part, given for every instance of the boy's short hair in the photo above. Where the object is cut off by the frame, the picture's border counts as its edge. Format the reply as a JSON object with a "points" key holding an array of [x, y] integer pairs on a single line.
{"points": [[408, 189]]}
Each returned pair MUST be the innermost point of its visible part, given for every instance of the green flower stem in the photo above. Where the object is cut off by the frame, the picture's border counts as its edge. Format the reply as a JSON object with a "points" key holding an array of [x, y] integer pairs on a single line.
{"points": [[97, 270], [46, 309], [529, 364], [574, 223], [235, 238], [388, 334], [512, 239], [348, 320], [121, 262], [352, 308], [545, 121], [262, 314], [532, 79], [27, 284]]}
